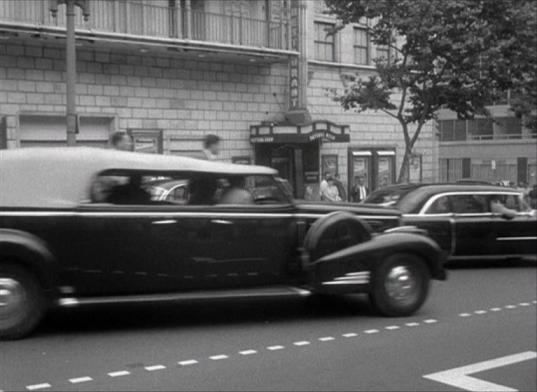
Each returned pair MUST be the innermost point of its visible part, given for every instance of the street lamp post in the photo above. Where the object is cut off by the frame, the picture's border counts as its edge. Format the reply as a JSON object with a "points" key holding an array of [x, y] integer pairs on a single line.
{"points": [[70, 61]]}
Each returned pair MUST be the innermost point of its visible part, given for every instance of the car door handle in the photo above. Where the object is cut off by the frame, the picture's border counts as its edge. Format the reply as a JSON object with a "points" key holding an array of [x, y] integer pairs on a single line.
{"points": [[221, 222], [164, 222]]}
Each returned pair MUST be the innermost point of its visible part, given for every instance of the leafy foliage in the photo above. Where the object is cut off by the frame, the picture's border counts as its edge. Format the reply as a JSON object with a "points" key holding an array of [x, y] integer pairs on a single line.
{"points": [[454, 54]]}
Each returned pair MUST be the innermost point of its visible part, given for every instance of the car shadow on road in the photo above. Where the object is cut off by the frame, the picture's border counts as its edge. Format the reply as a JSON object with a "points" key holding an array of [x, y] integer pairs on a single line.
{"points": [[203, 313], [483, 263]]}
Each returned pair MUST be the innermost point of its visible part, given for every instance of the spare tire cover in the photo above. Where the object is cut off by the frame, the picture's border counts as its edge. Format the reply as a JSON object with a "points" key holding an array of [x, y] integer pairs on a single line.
{"points": [[333, 232]]}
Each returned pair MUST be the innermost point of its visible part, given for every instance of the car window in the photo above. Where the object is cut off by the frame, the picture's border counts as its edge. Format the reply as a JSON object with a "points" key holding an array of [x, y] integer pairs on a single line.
{"points": [[138, 188], [441, 205], [512, 202], [469, 204]]}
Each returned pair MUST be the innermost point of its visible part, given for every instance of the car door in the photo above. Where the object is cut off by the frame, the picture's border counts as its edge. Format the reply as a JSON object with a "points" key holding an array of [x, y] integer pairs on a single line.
{"points": [[438, 220], [246, 245], [474, 230], [516, 236]]}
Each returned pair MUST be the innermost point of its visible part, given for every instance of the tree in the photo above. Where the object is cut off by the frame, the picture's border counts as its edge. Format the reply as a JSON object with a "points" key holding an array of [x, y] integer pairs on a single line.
{"points": [[454, 54]]}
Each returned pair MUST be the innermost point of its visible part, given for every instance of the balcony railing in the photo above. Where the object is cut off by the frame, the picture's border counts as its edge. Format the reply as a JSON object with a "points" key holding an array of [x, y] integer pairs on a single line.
{"points": [[137, 19]]}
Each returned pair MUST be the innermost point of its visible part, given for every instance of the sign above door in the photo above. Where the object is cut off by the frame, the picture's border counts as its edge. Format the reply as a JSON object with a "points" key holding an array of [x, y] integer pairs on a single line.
{"points": [[317, 131]]}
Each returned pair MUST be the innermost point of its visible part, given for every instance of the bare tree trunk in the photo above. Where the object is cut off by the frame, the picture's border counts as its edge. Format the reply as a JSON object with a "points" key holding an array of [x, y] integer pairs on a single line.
{"points": [[409, 146]]}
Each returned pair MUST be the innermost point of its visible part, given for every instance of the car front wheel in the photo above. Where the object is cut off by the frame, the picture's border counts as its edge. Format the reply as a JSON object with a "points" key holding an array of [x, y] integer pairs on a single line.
{"points": [[21, 302], [400, 285]]}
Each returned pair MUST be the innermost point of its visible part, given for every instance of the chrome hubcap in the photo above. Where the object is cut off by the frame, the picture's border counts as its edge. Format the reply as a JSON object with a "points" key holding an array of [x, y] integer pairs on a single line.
{"points": [[401, 284], [11, 296]]}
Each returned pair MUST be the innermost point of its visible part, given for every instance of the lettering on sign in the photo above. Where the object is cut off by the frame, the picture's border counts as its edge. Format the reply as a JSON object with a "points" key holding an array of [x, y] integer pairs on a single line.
{"points": [[324, 135], [262, 139], [293, 63]]}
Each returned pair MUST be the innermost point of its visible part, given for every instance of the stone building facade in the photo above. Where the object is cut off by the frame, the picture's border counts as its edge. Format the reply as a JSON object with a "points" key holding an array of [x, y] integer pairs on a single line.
{"points": [[170, 72]]}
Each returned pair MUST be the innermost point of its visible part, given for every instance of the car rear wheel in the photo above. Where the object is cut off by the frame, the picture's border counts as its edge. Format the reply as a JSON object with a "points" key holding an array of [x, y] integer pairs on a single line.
{"points": [[22, 303], [400, 285]]}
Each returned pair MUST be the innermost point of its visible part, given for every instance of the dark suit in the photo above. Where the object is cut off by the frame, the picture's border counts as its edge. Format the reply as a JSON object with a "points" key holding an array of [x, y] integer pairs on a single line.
{"points": [[355, 193]]}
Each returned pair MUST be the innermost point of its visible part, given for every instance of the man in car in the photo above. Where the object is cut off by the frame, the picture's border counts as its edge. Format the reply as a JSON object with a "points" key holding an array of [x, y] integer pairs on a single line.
{"points": [[497, 207], [236, 193]]}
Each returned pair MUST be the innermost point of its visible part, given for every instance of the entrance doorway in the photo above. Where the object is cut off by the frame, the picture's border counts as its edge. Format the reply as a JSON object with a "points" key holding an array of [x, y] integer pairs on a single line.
{"points": [[298, 163]]}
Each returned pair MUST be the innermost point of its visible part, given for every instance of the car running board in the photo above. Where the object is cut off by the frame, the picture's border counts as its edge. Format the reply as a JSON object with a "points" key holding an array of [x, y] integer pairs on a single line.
{"points": [[258, 292]]}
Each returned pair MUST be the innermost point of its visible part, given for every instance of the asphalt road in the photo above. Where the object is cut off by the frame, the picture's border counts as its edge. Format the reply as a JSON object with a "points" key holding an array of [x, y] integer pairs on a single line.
{"points": [[478, 327]]}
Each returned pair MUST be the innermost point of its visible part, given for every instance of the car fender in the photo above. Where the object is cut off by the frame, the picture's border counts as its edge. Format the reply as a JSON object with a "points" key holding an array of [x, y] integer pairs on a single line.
{"points": [[31, 252], [359, 261]]}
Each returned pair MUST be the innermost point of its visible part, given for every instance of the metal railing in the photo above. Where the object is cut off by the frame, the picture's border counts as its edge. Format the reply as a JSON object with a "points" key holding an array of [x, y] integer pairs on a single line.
{"points": [[133, 18]]}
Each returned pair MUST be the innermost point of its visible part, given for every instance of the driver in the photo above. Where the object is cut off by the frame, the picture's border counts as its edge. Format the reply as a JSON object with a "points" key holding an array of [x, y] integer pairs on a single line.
{"points": [[236, 193], [497, 207]]}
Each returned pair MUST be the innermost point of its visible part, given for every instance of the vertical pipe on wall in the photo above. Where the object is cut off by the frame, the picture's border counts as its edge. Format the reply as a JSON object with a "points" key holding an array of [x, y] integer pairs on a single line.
{"points": [[71, 74]]}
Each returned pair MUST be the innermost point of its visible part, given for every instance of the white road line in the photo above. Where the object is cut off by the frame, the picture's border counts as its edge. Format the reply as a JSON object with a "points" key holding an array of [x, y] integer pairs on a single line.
{"points": [[495, 309], [510, 306], [524, 304], [534, 302], [36, 387], [413, 324], [392, 327], [430, 321], [370, 331], [119, 373], [153, 368], [349, 335], [301, 343], [218, 357], [274, 348], [247, 352], [326, 338], [464, 314], [459, 377], [187, 362], [480, 311], [79, 380]]}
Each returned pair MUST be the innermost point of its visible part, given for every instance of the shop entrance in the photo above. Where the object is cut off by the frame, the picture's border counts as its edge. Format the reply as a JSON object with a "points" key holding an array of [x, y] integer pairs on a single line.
{"points": [[297, 163]]}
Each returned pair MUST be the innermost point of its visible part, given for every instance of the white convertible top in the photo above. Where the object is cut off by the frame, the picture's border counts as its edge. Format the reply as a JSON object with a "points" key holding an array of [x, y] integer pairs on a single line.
{"points": [[59, 177]]}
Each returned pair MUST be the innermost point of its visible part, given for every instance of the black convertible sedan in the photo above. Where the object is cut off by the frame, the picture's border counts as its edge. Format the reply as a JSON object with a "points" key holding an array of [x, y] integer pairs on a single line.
{"points": [[90, 226], [462, 220]]}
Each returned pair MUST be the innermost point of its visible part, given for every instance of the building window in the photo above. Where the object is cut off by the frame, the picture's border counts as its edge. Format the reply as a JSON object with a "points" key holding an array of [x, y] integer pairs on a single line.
{"points": [[324, 42], [383, 52], [361, 46]]}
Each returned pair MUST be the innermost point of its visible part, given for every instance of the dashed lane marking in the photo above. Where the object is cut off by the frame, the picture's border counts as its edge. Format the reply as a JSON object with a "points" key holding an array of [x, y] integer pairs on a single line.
{"points": [[36, 387], [464, 314], [392, 327], [154, 368], [218, 357], [326, 339], [301, 343], [495, 309], [413, 324], [247, 352], [430, 321], [510, 307], [480, 311], [349, 335], [370, 331], [274, 348], [119, 373], [187, 362], [524, 304], [79, 380]]}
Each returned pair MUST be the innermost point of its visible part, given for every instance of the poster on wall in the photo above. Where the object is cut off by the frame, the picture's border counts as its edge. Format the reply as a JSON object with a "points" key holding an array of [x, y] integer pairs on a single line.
{"points": [[361, 167], [414, 169], [147, 141], [384, 171], [329, 164]]}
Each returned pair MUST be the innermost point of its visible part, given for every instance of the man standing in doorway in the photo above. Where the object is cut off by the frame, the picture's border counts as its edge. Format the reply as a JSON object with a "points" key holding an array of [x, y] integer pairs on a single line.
{"points": [[211, 147], [359, 191]]}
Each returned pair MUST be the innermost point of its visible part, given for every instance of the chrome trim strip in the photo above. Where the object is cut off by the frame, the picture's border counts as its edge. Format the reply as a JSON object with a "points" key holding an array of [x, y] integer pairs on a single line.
{"points": [[490, 257], [173, 214], [433, 198], [345, 282], [193, 295], [524, 238]]}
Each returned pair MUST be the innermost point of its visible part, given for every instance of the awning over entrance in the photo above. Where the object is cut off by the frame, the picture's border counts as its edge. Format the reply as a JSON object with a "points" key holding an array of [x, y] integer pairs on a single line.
{"points": [[321, 130]]}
